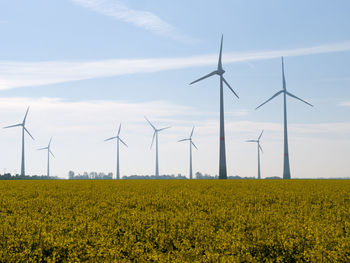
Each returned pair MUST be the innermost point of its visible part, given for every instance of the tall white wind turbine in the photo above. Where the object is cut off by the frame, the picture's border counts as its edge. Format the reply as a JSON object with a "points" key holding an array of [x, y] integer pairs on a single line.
{"points": [[23, 129], [155, 135], [118, 140], [220, 72], [49, 152], [191, 143], [259, 149], [286, 167]]}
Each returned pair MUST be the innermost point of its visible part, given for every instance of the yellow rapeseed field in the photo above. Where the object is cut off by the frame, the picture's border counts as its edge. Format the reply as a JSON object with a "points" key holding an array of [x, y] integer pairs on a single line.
{"points": [[175, 221]]}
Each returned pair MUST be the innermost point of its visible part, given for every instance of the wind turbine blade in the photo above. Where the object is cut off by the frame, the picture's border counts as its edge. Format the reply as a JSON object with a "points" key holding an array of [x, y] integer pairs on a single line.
{"points": [[206, 76], [25, 116], [228, 85], [283, 77], [110, 138], [164, 128], [11, 126], [52, 154], [120, 125], [251, 141], [295, 97], [50, 142], [260, 135], [220, 55], [150, 123], [154, 135], [261, 149], [28, 132], [278, 93], [45, 148], [194, 145], [183, 140], [123, 142], [192, 132]]}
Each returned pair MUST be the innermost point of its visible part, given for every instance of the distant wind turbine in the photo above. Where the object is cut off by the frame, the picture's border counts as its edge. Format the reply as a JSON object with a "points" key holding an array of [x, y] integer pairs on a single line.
{"points": [[23, 129], [286, 167], [48, 148], [191, 143], [118, 140], [259, 149], [220, 71], [155, 134]]}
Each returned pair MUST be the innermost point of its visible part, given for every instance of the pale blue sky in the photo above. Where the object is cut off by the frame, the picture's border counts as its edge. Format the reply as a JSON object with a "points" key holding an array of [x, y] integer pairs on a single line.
{"points": [[139, 56]]}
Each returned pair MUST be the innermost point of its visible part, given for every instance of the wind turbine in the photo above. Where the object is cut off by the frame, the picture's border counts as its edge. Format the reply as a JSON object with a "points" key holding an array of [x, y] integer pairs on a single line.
{"points": [[259, 149], [191, 143], [220, 72], [286, 167], [48, 148], [155, 134], [23, 129], [118, 140]]}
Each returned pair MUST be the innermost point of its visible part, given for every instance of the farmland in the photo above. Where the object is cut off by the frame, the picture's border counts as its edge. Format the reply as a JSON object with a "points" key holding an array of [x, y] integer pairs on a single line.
{"points": [[175, 220]]}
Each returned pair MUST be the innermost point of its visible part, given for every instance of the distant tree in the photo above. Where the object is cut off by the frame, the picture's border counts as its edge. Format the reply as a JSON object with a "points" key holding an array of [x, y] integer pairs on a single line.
{"points": [[198, 175], [71, 175], [273, 177], [239, 177], [8, 176]]}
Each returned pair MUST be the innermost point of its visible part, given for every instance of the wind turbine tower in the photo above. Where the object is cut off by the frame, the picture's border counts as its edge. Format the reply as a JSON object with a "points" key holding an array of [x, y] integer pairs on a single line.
{"points": [[48, 148], [191, 143], [259, 149], [286, 167], [24, 129], [220, 72], [118, 140], [155, 135]]}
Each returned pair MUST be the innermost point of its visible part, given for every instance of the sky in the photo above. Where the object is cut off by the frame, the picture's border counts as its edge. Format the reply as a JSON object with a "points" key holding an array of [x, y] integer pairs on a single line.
{"points": [[85, 66]]}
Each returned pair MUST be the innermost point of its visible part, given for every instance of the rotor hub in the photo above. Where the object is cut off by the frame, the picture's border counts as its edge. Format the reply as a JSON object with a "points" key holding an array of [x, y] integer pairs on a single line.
{"points": [[221, 72]]}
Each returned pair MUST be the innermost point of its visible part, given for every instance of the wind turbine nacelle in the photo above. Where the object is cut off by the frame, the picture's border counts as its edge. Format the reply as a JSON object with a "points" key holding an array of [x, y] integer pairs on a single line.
{"points": [[221, 71]]}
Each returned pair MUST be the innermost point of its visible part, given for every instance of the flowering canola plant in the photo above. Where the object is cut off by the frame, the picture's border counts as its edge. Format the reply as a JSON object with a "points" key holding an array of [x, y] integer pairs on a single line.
{"points": [[175, 221]]}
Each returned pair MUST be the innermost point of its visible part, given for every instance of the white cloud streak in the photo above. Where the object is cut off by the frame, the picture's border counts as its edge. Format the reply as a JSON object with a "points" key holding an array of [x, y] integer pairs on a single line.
{"points": [[79, 128], [15, 74], [344, 104], [119, 11]]}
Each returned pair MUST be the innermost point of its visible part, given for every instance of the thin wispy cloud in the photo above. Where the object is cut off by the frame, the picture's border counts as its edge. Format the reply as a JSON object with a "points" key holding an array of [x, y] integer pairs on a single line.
{"points": [[93, 113], [143, 19], [344, 104], [238, 113], [15, 74], [79, 128]]}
